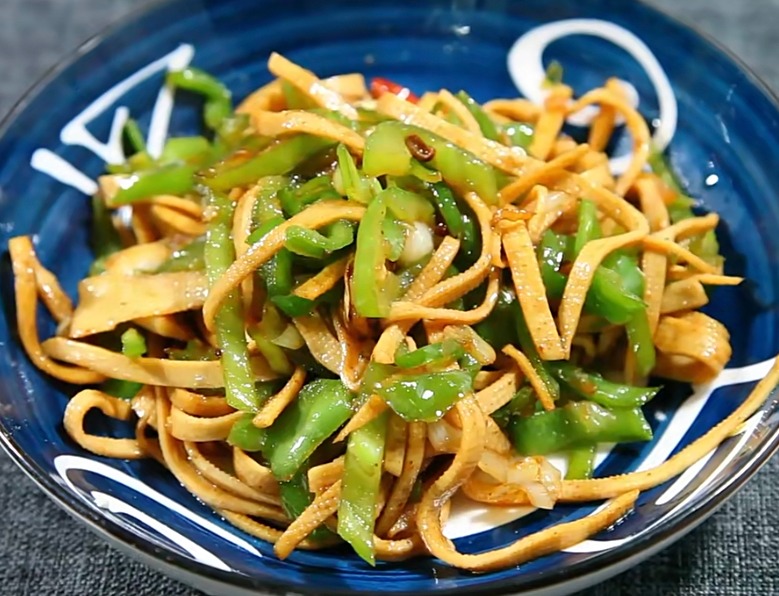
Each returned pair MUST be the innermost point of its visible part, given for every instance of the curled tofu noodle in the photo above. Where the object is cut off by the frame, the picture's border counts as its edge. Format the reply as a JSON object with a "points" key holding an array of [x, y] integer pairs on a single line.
{"points": [[531, 293], [469, 123], [548, 208], [309, 84], [23, 260], [550, 122], [275, 405], [316, 216], [253, 473], [297, 371], [76, 411], [51, 293], [510, 160], [172, 221], [691, 346], [321, 342], [519, 110], [150, 371], [274, 124], [637, 125], [323, 476], [107, 300], [515, 190], [140, 258], [603, 125], [325, 280], [186, 427], [685, 294], [166, 326]]}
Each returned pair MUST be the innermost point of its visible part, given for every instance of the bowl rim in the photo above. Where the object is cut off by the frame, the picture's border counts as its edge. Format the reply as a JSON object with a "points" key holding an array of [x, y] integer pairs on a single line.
{"points": [[184, 569]]}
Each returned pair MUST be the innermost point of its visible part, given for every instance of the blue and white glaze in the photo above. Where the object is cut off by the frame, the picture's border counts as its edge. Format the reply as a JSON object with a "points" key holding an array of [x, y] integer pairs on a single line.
{"points": [[722, 144]]}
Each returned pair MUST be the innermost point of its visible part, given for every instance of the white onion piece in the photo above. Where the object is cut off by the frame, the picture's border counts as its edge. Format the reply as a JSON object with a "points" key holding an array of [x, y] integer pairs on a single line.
{"points": [[419, 244]]}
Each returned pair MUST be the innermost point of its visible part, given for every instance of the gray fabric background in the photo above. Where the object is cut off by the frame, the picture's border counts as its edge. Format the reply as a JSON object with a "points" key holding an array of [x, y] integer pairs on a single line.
{"points": [[43, 551]]}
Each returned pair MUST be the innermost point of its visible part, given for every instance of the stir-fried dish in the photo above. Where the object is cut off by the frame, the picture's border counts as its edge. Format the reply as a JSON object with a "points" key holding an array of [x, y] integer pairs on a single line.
{"points": [[344, 305]]}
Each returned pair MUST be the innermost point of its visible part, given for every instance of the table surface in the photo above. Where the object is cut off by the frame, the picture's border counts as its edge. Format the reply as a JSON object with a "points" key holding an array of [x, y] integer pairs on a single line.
{"points": [[43, 551]]}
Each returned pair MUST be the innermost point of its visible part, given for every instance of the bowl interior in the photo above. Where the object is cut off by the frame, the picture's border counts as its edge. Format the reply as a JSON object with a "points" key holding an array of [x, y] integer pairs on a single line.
{"points": [[723, 149]]}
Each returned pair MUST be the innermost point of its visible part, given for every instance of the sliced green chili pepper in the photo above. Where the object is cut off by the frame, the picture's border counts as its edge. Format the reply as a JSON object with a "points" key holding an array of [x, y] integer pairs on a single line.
{"points": [[581, 463], [438, 354], [186, 149], [132, 132], [470, 365], [277, 359], [174, 179], [133, 346], [232, 132], [105, 239], [409, 206], [522, 400], [121, 389], [186, 258], [460, 223], [626, 266], [527, 346], [321, 407], [610, 294], [422, 396], [133, 343], [293, 306], [277, 272], [681, 208], [294, 98], [136, 162], [372, 284], [595, 388], [608, 299], [486, 125], [577, 424], [296, 497], [294, 200], [394, 237], [193, 351], [219, 254], [551, 252], [470, 241], [588, 226], [407, 275], [494, 329], [425, 397], [280, 158], [554, 73], [219, 104], [641, 342], [424, 174], [360, 487], [246, 436], [705, 245], [243, 433], [355, 186], [518, 134], [448, 210], [317, 245], [386, 153], [268, 205]]}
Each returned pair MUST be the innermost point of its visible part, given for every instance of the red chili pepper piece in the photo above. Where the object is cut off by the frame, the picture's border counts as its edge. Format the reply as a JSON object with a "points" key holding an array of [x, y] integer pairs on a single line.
{"points": [[380, 85]]}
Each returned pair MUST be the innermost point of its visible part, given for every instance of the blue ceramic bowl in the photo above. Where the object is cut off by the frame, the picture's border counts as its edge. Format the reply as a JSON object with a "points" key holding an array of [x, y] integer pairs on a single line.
{"points": [[54, 145]]}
